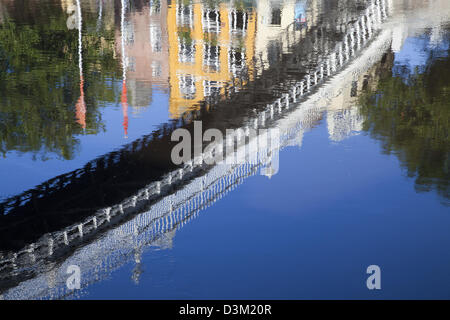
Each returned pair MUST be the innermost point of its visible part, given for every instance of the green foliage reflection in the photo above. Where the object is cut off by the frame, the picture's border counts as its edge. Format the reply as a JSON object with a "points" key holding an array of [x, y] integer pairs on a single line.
{"points": [[410, 116]]}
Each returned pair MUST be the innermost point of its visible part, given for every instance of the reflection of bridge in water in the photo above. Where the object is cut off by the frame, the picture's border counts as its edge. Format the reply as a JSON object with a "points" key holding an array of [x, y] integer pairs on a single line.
{"points": [[107, 237]]}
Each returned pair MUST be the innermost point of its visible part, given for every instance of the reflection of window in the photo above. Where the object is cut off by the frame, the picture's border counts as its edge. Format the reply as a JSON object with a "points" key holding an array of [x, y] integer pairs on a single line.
{"points": [[365, 83], [354, 90], [155, 38], [129, 32], [274, 51], [238, 20], [211, 88], [131, 66], [276, 17], [186, 51], [211, 21], [156, 69], [211, 56], [187, 86], [185, 15], [236, 61]]}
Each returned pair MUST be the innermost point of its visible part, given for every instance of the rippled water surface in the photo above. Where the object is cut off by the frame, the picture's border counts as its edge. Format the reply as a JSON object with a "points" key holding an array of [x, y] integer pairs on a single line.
{"points": [[92, 90]]}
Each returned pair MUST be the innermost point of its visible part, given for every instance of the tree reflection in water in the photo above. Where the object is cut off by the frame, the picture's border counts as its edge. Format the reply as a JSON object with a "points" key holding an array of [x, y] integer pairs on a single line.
{"points": [[409, 112], [39, 72]]}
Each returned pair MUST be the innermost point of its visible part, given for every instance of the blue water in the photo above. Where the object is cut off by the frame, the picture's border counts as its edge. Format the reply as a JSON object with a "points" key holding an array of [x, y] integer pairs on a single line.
{"points": [[30, 171], [309, 232]]}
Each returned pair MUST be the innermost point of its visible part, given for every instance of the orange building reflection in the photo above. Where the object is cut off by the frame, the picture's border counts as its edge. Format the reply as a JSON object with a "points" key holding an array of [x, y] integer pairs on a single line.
{"points": [[208, 47]]}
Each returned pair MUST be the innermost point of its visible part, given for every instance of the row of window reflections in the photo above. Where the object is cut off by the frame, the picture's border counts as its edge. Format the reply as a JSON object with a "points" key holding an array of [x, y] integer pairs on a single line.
{"points": [[188, 88], [211, 19], [211, 57], [155, 36]]}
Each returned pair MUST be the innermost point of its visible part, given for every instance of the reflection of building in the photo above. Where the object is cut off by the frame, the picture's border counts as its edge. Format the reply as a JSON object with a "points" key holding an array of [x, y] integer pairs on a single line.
{"points": [[208, 48], [344, 123], [273, 18], [146, 52], [279, 27], [413, 15], [344, 119]]}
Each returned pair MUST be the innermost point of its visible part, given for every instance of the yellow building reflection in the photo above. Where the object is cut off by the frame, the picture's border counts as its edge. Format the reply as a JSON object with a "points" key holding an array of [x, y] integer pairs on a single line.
{"points": [[209, 46]]}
